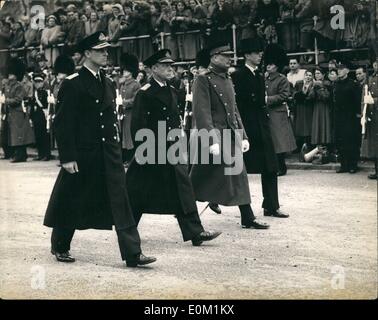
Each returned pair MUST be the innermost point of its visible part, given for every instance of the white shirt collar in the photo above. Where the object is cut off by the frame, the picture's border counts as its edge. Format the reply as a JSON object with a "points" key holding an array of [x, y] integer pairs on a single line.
{"points": [[253, 69], [161, 84], [92, 71]]}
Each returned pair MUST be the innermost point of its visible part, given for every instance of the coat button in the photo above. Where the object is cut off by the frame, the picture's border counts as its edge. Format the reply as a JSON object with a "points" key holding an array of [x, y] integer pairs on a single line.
{"points": [[164, 108], [103, 139], [97, 101], [114, 125], [215, 85], [100, 114], [114, 112], [115, 137], [167, 118], [102, 126]]}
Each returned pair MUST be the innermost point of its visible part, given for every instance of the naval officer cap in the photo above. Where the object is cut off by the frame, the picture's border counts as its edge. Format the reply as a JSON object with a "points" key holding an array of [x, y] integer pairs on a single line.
{"points": [[95, 41], [162, 56]]}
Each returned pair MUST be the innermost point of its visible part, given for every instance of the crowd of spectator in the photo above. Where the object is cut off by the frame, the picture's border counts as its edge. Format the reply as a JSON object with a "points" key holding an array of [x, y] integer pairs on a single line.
{"points": [[186, 25]]}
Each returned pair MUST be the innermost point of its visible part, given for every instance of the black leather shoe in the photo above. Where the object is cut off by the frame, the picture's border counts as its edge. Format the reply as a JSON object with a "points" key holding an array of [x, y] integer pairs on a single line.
{"points": [[276, 214], [48, 158], [63, 257], [372, 176], [281, 173], [353, 170], [342, 170], [215, 208], [37, 159], [141, 260], [255, 225], [205, 236]]}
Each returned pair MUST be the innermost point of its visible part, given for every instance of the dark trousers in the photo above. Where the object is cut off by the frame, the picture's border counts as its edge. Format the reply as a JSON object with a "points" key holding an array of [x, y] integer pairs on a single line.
{"points": [[246, 214], [190, 224], [128, 240], [19, 153], [270, 191], [42, 140], [349, 155], [7, 152], [281, 162]]}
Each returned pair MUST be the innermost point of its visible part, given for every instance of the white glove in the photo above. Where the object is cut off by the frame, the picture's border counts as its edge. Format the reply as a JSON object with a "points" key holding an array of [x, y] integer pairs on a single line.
{"points": [[363, 121], [119, 101], [214, 149], [189, 97], [245, 146], [368, 99], [51, 99], [2, 99]]}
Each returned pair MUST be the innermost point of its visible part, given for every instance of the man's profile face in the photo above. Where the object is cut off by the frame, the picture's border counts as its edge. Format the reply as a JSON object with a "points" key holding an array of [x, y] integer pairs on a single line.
{"points": [[254, 57], [98, 57], [222, 60], [163, 70], [360, 75]]}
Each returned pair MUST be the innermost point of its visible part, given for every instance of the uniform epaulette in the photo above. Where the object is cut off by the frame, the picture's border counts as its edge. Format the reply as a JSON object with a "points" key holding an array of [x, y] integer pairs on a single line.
{"points": [[145, 87], [72, 76]]}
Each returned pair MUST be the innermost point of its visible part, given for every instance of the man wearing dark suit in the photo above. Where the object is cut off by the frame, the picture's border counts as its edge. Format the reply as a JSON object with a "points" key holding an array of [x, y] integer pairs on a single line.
{"points": [[90, 191], [159, 186], [250, 97]]}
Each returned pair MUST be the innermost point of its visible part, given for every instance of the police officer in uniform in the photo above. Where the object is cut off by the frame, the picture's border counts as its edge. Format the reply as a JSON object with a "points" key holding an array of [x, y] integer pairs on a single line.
{"points": [[90, 191], [250, 97], [214, 107], [162, 187], [39, 115]]}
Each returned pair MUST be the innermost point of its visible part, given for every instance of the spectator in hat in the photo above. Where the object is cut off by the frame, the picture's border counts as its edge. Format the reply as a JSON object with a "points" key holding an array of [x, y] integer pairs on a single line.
{"points": [[51, 36], [128, 90]]}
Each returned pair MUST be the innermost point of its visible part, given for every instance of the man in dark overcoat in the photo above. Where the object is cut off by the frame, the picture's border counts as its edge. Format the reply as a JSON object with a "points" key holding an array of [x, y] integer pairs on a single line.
{"points": [[347, 102], [215, 110], [158, 185], [90, 191], [250, 97]]}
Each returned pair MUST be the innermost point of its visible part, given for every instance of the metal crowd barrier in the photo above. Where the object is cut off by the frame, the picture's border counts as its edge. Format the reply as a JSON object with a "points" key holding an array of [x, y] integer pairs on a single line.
{"points": [[316, 52]]}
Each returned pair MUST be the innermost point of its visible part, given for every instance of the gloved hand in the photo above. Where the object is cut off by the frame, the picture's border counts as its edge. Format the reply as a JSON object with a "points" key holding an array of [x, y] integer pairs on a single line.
{"points": [[214, 149]]}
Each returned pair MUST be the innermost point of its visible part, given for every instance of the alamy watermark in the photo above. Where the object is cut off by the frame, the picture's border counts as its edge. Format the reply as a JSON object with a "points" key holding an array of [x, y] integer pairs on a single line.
{"points": [[176, 147]]}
